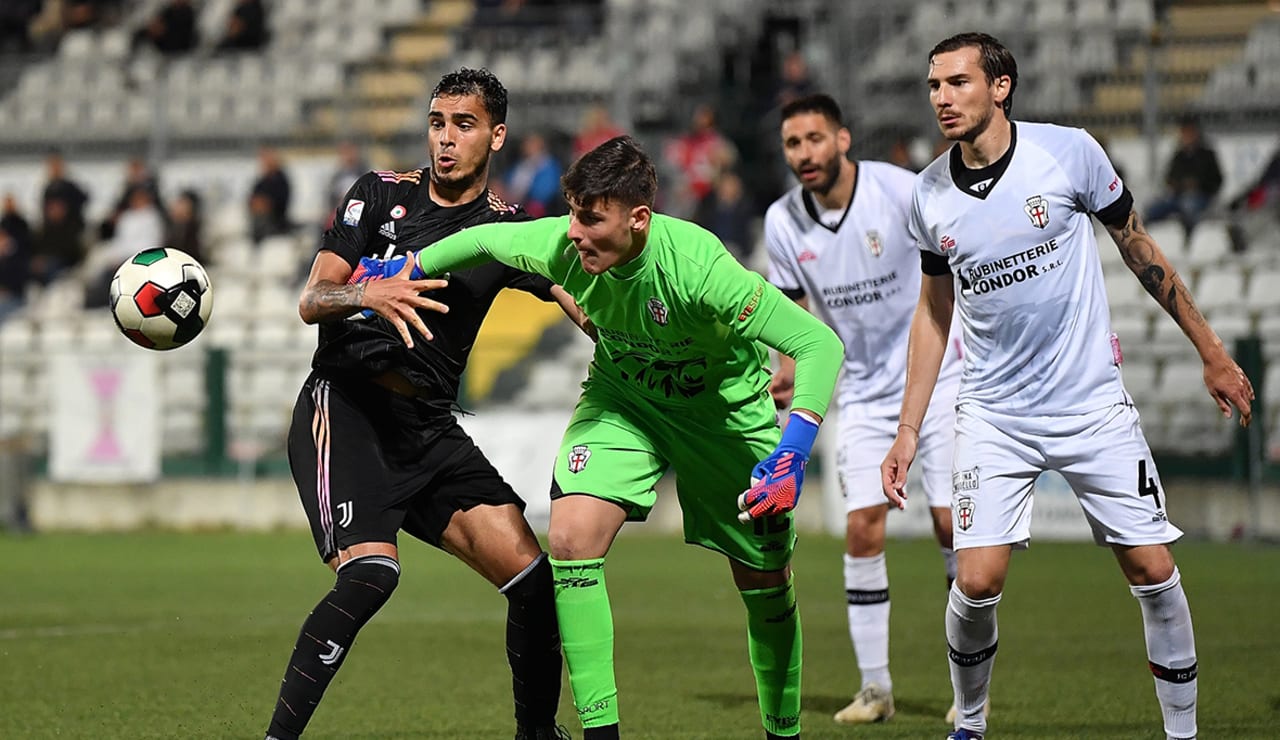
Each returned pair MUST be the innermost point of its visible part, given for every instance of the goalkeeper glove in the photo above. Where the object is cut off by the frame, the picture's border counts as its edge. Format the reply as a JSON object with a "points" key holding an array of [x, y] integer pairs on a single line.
{"points": [[776, 480], [372, 268]]}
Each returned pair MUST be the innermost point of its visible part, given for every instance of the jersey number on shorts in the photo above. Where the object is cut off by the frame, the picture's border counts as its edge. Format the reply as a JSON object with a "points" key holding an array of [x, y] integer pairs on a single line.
{"points": [[1147, 486]]}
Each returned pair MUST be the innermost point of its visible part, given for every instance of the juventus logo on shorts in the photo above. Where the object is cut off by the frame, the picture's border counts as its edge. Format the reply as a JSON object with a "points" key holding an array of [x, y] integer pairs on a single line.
{"points": [[346, 512], [335, 652], [578, 457], [964, 512]]}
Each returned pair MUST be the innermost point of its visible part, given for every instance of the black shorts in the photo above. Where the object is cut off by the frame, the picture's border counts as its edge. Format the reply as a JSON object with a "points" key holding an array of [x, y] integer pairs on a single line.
{"points": [[369, 462]]}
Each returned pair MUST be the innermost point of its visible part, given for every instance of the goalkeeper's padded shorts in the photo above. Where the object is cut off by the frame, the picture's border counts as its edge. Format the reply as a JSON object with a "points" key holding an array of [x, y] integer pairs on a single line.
{"points": [[618, 445]]}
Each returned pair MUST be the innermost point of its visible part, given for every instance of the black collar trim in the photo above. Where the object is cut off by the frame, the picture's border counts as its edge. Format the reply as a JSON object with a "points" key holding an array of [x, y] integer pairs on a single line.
{"points": [[811, 207], [966, 179]]}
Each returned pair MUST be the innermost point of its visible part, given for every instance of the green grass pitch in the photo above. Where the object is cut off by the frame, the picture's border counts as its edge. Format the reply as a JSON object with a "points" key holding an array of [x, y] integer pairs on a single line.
{"points": [[185, 636]]}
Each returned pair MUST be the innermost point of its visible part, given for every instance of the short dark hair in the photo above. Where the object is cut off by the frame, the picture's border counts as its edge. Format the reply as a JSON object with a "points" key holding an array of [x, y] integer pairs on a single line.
{"points": [[617, 170], [996, 60], [478, 82], [815, 103]]}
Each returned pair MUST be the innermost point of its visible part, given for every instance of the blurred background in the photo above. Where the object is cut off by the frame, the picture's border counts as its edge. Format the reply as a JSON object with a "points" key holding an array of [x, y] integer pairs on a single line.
{"points": [[230, 128]]}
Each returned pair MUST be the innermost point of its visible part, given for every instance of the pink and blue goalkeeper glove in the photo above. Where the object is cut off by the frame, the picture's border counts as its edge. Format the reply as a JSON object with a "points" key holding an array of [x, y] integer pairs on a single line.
{"points": [[776, 480], [372, 268]]}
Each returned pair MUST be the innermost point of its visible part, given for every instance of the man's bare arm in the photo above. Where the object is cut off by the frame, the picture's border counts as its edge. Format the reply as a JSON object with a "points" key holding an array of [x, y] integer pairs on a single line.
{"points": [[1225, 380]]}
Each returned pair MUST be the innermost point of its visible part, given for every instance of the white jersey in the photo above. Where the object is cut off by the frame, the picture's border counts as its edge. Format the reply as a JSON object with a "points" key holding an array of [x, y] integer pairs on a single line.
{"points": [[1030, 296], [861, 272]]}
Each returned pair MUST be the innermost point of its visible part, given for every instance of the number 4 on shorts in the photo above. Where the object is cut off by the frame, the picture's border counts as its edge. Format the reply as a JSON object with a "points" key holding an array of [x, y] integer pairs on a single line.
{"points": [[1147, 486]]}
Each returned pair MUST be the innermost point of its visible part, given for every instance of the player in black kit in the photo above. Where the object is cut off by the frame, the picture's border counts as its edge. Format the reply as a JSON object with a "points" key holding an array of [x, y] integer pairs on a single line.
{"points": [[374, 446]]}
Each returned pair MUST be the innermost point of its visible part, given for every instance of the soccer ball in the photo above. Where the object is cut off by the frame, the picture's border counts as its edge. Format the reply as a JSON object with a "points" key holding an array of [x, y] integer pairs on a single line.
{"points": [[161, 298]]}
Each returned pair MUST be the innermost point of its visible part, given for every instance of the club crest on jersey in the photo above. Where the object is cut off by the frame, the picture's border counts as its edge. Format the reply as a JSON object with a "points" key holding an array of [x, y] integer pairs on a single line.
{"points": [[964, 512], [946, 243], [806, 256], [354, 209], [388, 230], [1037, 209], [658, 312], [578, 457], [398, 212], [874, 244]]}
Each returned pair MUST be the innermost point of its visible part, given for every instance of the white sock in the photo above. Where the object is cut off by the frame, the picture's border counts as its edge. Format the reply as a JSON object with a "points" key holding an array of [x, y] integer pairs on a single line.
{"points": [[972, 637], [866, 583], [1171, 650], [949, 560]]}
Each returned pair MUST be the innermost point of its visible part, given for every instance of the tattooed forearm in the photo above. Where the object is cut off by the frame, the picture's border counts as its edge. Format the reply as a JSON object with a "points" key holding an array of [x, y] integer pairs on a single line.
{"points": [[1144, 257], [327, 300]]}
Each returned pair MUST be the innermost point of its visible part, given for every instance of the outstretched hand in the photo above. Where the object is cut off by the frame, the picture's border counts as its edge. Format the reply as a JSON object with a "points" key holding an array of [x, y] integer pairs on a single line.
{"points": [[1230, 388], [776, 481], [397, 297]]}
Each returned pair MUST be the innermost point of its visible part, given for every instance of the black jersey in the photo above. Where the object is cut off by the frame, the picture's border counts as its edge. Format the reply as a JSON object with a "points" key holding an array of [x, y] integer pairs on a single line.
{"points": [[389, 213]]}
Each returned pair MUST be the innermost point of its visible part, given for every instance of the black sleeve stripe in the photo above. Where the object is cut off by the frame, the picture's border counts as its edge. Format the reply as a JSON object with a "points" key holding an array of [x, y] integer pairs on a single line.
{"points": [[1116, 215], [794, 294], [934, 264]]}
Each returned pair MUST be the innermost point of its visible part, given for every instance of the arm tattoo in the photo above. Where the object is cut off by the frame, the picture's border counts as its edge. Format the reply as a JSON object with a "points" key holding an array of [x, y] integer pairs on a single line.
{"points": [[328, 300], [1143, 256]]}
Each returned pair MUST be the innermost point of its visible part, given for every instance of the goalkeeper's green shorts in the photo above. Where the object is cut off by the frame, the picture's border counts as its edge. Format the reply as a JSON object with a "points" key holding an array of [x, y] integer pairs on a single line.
{"points": [[617, 446]]}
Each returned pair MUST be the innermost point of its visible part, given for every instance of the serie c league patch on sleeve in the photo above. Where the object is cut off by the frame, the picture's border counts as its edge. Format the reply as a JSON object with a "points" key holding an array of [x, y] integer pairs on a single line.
{"points": [[355, 209]]}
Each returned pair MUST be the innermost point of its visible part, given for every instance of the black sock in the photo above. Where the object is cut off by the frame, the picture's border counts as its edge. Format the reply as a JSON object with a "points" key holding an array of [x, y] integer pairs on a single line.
{"points": [[363, 586], [608, 732], [533, 644]]}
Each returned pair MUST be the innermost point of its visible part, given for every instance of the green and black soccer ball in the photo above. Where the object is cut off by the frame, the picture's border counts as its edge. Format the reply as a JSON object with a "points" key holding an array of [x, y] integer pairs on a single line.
{"points": [[161, 298]]}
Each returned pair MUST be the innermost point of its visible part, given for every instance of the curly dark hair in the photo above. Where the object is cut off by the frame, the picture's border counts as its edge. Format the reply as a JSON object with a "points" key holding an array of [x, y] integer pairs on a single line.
{"points": [[815, 103], [478, 82], [617, 170]]}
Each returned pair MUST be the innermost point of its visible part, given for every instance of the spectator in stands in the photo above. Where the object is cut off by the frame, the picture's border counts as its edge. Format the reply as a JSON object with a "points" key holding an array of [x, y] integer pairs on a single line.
{"points": [[186, 223], [15, 25], [137, 174], [728, 213], [351, 165], [269, 198], [597, 128], [172, 30], [698, 157], [60, 187], [15, 258], [535, 180], [1192, 180], [1256, 210], [140, 226], [794, 80], [88, 13], [246, 27]]}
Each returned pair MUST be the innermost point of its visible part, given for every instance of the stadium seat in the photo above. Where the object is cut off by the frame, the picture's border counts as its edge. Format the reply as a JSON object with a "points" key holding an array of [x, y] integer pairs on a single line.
{"points": [[1133, 327], [1209, 244], [1140, 377], [1220, 287], [1182, 381]]}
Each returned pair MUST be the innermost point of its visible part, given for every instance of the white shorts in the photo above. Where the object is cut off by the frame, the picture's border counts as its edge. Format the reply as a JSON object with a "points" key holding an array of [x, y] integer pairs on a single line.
{"points": [[1103, 455], [865, 440]]}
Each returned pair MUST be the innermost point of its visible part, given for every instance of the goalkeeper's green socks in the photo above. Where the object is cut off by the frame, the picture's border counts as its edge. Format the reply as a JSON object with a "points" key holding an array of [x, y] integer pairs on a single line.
{"points": [[774, 642], [586, 636]]}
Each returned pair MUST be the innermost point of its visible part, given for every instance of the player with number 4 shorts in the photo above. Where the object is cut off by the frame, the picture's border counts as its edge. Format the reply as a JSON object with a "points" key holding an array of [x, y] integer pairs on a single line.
{"points": [[1004, 224]]}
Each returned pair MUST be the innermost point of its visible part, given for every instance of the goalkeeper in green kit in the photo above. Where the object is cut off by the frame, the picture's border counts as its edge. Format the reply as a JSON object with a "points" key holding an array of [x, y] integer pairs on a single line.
{"points": [[679, 380]]}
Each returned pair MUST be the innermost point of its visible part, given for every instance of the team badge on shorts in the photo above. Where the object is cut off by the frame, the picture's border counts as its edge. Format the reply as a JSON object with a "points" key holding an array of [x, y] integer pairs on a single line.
{"points": [[964, 512], [1037, 209], [658, 311], [578, 457], [874, 244]]}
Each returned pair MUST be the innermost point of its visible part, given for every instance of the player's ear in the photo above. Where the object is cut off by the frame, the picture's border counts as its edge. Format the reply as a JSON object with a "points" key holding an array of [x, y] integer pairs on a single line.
{"points": [[844, 140], [640, 217], [1001, 87], [498, 137]]}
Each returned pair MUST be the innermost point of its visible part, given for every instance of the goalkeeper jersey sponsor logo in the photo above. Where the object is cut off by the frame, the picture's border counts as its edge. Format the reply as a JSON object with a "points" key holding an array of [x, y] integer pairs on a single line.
{"points": [[751, 304], [578, 457]]}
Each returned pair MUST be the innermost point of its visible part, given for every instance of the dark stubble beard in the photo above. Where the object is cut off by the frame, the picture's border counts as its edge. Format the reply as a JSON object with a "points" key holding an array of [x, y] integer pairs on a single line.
{"points": [[462, 181], [832, 171]]}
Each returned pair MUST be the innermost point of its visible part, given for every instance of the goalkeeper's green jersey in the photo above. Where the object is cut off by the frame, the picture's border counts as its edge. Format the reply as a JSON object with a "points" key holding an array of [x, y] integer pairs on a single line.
{"points": [[678, 324]]}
